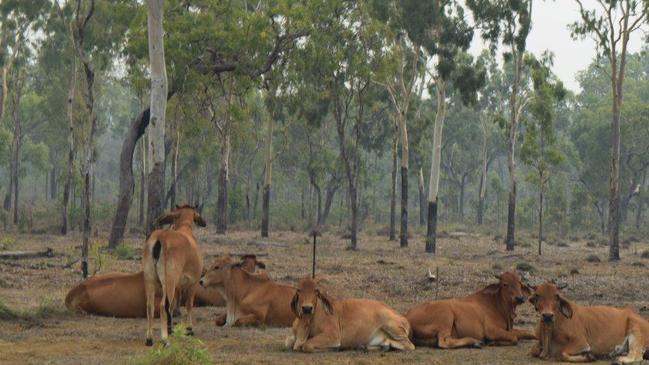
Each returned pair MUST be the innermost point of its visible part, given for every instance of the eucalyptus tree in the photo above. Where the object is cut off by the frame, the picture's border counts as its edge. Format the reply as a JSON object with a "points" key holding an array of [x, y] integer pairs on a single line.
{"points": [[612, 24], [440, 28], [508, 22], [539, 149]]}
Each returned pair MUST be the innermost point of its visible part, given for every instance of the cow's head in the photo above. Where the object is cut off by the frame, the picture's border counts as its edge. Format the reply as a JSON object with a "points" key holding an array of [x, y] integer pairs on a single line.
{"points": [[510, 288], [222, 268], [182, 215], [305, 301], [549, 303]]}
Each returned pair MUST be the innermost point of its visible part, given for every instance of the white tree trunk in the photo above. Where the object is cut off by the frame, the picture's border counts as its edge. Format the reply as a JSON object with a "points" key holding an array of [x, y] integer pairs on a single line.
{"points": [[433, 188]]}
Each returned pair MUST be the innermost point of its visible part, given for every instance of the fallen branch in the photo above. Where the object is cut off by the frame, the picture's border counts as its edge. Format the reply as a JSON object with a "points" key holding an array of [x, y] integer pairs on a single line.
{"points": [[15, 255]]}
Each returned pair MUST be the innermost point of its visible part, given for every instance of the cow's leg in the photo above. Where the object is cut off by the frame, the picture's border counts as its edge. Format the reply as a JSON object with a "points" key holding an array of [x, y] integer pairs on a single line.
{"points": [[524, 334], [220, 319], [149, 290], [445, 340], [247, 320], [166, 315], [322, 342], [634, 350], [189, 304], [397, 332], [499, 336], [577, 350]]}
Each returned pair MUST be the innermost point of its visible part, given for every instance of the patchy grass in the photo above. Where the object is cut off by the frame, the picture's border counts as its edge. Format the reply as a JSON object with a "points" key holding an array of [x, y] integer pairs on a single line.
{"points": [[7, 243], [124, 251]]}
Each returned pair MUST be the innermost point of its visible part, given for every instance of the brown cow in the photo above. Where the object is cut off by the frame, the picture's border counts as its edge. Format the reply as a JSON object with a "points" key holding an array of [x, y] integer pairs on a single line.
{"points": [[122, 295], [171, 260], [482, 317], [345, 323], [251, 299], [575, 333]]}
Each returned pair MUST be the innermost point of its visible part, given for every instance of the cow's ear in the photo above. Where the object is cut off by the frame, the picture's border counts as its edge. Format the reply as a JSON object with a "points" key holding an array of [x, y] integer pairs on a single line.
{"points": [[167, 218], [199, 220], [564, 307], [294, 301], [327, 302], [491, 289]]}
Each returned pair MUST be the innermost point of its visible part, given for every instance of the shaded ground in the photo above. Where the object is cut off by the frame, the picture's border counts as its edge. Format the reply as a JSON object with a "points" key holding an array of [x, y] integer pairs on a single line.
{"points": [[380, 270]]}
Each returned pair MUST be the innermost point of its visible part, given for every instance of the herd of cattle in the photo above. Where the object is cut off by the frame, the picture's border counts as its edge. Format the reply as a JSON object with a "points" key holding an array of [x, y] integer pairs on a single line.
{"points": [[173, 275]]}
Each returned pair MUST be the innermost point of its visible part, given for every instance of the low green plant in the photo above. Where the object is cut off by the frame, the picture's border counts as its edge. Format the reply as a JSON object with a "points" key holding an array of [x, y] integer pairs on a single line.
{"points": [[7, 243], [524, 266], [124, 251], [182, 350]]}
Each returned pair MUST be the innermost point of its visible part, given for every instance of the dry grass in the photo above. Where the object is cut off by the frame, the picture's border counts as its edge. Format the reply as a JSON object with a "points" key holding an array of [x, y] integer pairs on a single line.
{"points": [[379, 270]]}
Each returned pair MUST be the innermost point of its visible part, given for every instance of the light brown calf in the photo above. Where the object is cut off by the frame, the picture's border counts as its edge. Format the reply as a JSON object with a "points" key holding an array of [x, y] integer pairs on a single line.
{"points": [[575, 333], [486, 316], [326, 324], [172, 261], [251, 299]]}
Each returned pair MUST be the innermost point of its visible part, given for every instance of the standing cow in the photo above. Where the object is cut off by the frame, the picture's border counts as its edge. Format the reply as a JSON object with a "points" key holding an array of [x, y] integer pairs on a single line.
{"points": [[485, 316], [576, 333], [172, 261]]}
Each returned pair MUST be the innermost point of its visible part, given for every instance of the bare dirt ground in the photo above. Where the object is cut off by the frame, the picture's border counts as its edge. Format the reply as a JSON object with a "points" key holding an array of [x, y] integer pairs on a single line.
{"points": [[379, 270]]}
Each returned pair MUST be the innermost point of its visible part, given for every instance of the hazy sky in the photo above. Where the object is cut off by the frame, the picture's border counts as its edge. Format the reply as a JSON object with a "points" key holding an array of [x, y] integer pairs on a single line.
{"points": [[550, 32]]}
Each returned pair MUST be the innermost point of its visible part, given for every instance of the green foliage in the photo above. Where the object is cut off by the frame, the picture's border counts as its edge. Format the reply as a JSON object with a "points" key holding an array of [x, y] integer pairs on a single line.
{"points": [[182, 350], [7, 243], [124, 251]]}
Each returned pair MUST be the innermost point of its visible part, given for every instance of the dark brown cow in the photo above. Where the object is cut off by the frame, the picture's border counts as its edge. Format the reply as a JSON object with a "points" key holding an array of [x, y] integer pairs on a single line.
{"points": [[576, 333], [482, 317], [251, 299], [171, 260]]}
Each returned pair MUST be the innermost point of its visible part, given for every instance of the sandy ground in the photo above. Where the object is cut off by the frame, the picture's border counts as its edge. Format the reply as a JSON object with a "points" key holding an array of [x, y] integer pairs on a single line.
{"points": [[379, 270]]}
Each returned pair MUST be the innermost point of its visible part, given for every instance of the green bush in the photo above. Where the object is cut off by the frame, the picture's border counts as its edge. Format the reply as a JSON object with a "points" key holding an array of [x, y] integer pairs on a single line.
{"points": [[124, 251], [7, 243], [182, 350], [524, 266]]}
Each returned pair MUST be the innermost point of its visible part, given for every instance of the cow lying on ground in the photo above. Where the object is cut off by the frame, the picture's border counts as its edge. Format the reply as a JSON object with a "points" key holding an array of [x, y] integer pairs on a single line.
{"points": [[576, 333], [122, 294], [251, 298], [326, 324], [171, 260], [486, 316]]}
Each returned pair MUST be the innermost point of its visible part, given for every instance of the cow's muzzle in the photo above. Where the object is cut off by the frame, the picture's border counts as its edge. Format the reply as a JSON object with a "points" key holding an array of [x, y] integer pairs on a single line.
{"points": [[202, 282], [307, 309], [519, 300], [547, 317]]}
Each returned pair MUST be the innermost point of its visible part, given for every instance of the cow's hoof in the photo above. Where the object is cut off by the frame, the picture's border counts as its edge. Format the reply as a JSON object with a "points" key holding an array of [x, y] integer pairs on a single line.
{"points": [[149, 342], [478, 345], [190, 331]]}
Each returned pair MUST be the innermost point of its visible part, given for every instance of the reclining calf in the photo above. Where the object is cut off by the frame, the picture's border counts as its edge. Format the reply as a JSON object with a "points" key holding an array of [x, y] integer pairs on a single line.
{"points": [[252, 299], [326, 324], [576, 333]]}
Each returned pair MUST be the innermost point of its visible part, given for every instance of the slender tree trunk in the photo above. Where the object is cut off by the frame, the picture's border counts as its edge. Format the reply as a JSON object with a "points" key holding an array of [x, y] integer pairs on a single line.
{"points": [[53, 183], [511, 149], [422, 198], [143, 183], [540, 212], [174, 170], [329, 198], [156, 180], [268, 176], [640, 207], [86, 223], [404, 181], [70, 163], [433, 187], [462, 189], [17, 139], [482, 190], [7, 201], [222, 199], [393, 188], [614, 184]]}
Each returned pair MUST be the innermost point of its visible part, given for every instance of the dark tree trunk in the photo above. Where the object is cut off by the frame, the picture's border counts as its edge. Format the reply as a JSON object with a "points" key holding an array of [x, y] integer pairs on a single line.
{"points": [[7, 201], [265, 211], [404, 207], [393, 189], [540, 217], [16, 186], [614, 185], [511, 218], [86, 224], [329, 198], [53, 183], [142, 198], [462, 189], [221, 202], [354, 205], [422, 199], [479, 218], [155, 194], [431, 228], [126, 180]]}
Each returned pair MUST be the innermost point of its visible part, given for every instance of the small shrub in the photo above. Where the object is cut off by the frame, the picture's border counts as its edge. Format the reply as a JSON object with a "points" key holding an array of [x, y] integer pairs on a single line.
{"points": [[182, 350], [645, 254], [593, 258], [497, 266], [574, 271], [638, 264], [524, 266], [591, 244], [124, 251], [562, 244], [7, 243]]}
